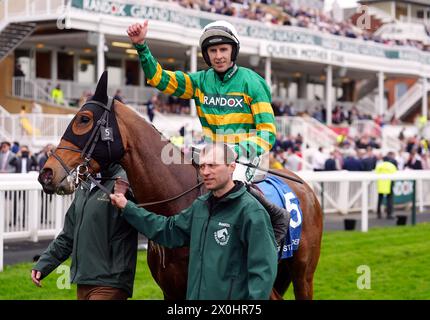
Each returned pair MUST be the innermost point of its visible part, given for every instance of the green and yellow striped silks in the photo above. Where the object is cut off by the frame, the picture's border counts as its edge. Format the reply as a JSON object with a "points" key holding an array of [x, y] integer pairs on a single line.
{"points": [[235, 110]]}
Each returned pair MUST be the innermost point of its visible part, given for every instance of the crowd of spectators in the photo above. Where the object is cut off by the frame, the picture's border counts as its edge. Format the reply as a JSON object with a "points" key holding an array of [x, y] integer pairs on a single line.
{"points": [[340, 115], [360, 153], [284, 12], [16, 158]]}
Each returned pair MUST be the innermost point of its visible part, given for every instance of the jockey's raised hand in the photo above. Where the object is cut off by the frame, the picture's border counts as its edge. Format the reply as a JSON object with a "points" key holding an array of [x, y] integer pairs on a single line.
{"points": [[137, 32]]}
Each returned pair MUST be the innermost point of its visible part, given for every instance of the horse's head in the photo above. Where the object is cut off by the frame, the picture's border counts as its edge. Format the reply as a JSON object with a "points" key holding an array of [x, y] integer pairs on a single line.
{"points": [[91, 142]]}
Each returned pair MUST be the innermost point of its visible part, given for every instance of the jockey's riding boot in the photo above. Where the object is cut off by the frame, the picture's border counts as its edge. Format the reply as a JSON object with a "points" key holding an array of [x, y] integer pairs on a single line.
{"points": [[279, 217]]}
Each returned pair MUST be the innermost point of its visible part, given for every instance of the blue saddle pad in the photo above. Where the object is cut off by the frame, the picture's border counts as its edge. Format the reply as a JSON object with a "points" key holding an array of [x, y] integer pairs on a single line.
{"points": [[278, 192]]}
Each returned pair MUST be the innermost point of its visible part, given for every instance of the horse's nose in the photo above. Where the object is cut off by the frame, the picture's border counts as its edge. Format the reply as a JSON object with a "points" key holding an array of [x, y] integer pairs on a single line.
{"points": [[45, 177]]}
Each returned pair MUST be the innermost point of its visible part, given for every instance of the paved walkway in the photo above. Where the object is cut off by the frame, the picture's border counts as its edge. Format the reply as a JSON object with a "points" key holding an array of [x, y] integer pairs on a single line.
{"points": [[24, 251]]}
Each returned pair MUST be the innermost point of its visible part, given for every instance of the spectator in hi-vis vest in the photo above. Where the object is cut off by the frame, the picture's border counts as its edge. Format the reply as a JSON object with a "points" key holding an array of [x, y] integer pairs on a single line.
{"points": [[57, 95], [385, 187]]}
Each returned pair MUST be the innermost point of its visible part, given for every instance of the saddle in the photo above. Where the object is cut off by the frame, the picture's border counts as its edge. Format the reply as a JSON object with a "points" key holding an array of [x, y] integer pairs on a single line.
{"points": [[279, 217]]}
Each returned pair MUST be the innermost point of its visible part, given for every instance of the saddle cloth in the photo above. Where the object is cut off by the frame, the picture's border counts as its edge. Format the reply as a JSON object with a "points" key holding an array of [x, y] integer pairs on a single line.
{"points": [[279, 193]]}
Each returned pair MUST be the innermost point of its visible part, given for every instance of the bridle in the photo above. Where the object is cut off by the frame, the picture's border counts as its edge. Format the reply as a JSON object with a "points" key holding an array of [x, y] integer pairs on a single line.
{"points": [[103, 131]]}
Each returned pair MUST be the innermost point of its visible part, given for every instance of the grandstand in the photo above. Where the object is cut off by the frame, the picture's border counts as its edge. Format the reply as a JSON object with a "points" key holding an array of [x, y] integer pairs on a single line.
{"points": [[319, 63]]}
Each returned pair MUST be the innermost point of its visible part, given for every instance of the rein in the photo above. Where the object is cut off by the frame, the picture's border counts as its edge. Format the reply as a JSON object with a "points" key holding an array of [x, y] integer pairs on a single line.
{"points": [[170, 199]]}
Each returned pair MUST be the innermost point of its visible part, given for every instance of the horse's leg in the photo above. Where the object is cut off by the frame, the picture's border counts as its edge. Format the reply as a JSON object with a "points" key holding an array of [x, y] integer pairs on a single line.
{"points": [[283, 277], [304, 262], [170, 277], [303, 287], [302, 268]]}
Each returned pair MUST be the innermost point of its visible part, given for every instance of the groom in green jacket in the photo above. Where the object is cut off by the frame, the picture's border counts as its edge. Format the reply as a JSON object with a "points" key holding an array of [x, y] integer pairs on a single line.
{"points": [[233, 251]]}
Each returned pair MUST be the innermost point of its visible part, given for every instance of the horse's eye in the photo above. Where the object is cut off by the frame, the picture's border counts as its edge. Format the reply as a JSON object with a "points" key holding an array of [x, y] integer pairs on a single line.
{"points": [[85, 119]]}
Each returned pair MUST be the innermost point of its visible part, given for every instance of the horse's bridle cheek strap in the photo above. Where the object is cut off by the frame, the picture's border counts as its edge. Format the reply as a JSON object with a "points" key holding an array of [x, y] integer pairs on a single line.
{"points": [[88, 146]]}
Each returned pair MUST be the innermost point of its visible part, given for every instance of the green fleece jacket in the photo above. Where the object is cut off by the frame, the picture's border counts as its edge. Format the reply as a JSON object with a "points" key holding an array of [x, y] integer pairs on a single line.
{"points": [[232, 247], [101, 243]]}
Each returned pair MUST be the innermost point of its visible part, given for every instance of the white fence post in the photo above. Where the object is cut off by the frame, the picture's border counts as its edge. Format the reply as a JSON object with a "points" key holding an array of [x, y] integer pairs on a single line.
{"points": [[364, 206], [2, 209], [343, 196], [33, 214], [420, 188]]}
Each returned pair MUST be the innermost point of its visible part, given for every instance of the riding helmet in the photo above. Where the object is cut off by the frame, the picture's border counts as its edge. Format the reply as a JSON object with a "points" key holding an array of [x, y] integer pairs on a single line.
{"points": [[219, 32]]}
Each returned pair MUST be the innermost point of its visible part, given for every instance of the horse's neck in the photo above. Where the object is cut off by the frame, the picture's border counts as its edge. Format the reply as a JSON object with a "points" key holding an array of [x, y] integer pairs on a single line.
{"points": [[150, 178]]}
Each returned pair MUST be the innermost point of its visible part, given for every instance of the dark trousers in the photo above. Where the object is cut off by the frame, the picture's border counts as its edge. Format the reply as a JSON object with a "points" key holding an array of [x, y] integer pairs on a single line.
{"points": [[390, 201]]}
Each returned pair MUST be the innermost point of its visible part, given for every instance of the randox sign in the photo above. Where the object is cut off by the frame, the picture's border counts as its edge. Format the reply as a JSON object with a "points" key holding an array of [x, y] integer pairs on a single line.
{"points": [[403, 191], [279, 35]]}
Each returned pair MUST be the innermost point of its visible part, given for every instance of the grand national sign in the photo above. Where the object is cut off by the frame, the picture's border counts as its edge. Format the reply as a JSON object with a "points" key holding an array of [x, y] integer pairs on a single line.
{"points": [[137, 11], [280, 37]]}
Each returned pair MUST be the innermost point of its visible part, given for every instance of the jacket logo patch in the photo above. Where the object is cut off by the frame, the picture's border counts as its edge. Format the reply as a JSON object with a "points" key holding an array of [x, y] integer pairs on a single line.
{"points": [[222, 236], [104, 197]]}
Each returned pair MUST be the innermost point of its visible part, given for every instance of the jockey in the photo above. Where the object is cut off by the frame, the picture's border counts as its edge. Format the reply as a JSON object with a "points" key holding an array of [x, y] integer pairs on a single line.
{"points": [[233, 103]]}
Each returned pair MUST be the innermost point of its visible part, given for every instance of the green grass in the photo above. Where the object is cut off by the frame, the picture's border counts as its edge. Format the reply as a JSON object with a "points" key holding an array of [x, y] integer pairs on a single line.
{"points": [[398, 258]]}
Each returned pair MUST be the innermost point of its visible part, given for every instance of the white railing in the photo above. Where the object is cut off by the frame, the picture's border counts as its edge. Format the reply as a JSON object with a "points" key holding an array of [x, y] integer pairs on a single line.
{"points": [[31, 90], [33, 129], [30, 10], [402, 105], [315, 134], [346, 191], [368, 104], [26, 212], [365, 127], [410, 19], [73, 90]]}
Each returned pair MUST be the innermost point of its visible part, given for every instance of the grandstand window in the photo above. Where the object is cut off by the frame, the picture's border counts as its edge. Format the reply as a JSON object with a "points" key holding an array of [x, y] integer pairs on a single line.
{"points": [[43, 64], [132, 68], [401, 11], [65, 66], [401, 89]]}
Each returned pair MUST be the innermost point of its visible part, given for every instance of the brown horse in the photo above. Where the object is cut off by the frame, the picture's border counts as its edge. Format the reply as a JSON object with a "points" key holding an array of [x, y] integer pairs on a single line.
{"points": [[142, 152]]}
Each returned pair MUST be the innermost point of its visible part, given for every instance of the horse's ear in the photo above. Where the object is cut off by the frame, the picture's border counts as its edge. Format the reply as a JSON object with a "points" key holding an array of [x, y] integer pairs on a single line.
{"points": [[101, 91]]}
